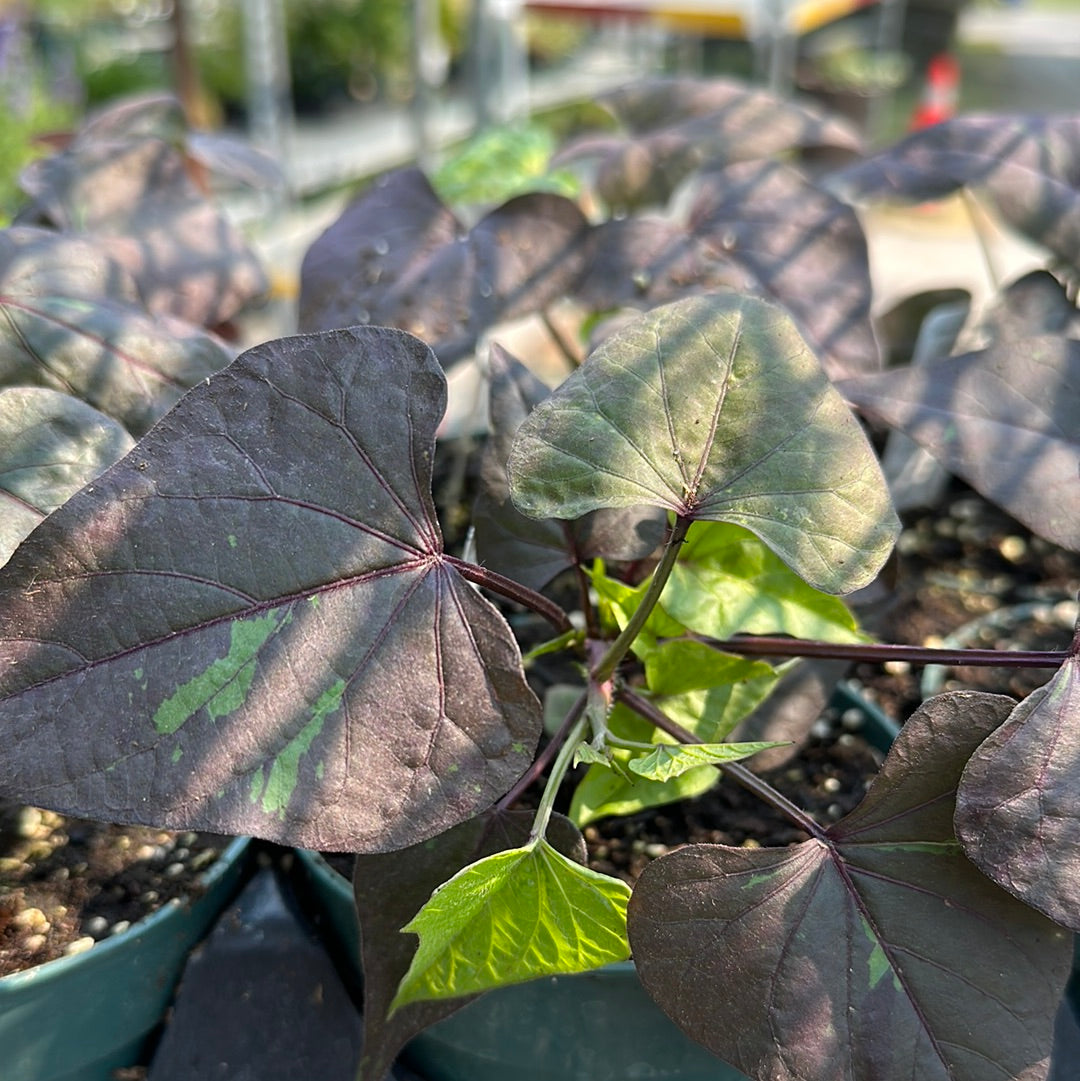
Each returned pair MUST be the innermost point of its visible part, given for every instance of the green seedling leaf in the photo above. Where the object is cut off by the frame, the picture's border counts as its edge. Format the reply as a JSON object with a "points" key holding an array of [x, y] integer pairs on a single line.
{"points": [[1018, 805], [267, 645], [512, 917], [501, 162], [675, 667], [673, 761], [590, 756], [1006, 420], [612, 789], [714, 408], [530, 551], [618, 602], [390, 889], [50, 446], [398, 257], [705, 691], [875, 949]]}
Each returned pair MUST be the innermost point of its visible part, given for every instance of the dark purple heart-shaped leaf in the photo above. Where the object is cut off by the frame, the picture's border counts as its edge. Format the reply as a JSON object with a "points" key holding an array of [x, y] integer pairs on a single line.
{"points": [[50, 446], [678, 125], [1006, 419], [757, 227], [391, 888], [1018, 805], [1034, 304], [533, 551], [135, 197], [253, 612], [875, 950], [235, 160], [713, 408], [398, 257], [1028, 165], [135, 117], [759, 122], [43, 263], [121, 360]]}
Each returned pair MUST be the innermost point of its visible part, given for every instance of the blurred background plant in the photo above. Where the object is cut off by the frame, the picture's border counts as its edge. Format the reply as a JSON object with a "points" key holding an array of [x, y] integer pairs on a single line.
{"points": [[39, 95], [502, 162]]}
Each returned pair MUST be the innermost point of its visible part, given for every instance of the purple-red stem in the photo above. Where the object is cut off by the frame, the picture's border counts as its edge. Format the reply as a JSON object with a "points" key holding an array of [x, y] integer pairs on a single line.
{"points": [[879, 653], [515, 591], [542, 760]]}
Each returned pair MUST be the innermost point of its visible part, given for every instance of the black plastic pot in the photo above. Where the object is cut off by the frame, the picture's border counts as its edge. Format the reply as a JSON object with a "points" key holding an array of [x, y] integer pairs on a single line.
{"points": [[80, 1018]]}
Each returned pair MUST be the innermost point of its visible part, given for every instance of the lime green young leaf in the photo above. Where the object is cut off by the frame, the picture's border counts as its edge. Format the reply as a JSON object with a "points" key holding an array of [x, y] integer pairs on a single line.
{"points": [[729, 582], [604, 791], [617, 603], [672, 761], [614, 790], [714, 408], [512, 917], [685, 664], [704, 690], [588, 754]]}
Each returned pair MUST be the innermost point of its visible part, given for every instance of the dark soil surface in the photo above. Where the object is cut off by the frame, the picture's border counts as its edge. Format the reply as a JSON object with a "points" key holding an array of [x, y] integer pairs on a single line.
{"points": [[972, 577], [66, 884]]}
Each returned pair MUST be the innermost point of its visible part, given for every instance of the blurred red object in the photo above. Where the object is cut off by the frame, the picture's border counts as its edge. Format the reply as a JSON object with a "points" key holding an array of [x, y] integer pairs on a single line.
{"points": [[940, 92]]}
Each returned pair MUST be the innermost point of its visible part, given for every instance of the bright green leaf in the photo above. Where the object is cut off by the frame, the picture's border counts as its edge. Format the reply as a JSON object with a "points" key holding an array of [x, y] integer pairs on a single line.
{"points": [[617, 602], [512, 917], [688, 665], [714, 408], [607, 791], [728, 582], [587, 753], [669, 761]]}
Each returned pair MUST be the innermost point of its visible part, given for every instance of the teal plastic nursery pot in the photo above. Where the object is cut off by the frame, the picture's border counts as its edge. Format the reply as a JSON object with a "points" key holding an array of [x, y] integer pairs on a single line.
{"points": [[591, 1026], [80, 1018]]}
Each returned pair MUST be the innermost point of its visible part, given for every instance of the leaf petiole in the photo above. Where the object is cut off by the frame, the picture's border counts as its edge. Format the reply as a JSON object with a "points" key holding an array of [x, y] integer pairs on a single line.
{"points": [[604, 669], [558, 771]]}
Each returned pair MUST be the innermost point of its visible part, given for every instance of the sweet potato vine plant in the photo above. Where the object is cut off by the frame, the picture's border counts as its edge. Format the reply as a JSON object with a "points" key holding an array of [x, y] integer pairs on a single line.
{"points": [[249, 624]]}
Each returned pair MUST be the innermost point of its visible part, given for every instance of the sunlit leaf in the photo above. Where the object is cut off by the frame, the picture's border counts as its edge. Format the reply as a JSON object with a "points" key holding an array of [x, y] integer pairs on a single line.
{"points": [[41, 263], [531, 551], [512, 917], [133, 194], [1018, 805], [115, 356], [50, 446], [1006, 420], [674, 126], [390, 889], [606, 791], [1027, 165], [727, 582], [714, 408], [398, 257], [755, 227], [874, 950], [266, 645]]}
